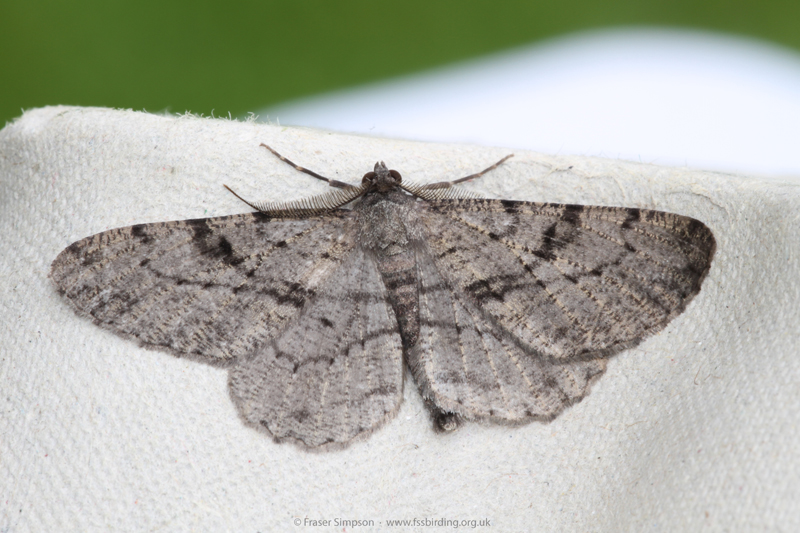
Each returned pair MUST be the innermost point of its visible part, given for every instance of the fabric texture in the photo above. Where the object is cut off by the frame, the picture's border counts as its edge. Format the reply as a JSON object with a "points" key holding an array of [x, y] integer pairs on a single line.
{"points": [[696, 428]]}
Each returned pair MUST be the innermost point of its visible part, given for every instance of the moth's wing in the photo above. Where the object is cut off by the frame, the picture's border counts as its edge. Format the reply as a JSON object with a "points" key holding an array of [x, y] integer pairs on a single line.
{"points": [[465, 363], [210, 289], [336, 372], [541, 294], [570, 281]]}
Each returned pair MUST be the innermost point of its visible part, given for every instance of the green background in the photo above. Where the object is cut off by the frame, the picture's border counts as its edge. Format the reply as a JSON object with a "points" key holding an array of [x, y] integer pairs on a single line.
{"points": [[243, 56]]}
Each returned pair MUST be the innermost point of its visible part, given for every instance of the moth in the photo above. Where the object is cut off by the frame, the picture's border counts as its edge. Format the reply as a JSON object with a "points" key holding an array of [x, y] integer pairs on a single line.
{"points": [[503, 310]]}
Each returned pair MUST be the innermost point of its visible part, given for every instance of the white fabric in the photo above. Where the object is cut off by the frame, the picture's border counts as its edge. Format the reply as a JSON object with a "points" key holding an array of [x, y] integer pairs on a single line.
{"points": [[697, 428]]}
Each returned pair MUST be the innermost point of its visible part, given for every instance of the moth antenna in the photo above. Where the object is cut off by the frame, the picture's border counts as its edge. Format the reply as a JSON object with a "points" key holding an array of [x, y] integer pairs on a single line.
{"points": [[240, 198], [333, 183], [447, 193], [448, 184], [306, 207]]}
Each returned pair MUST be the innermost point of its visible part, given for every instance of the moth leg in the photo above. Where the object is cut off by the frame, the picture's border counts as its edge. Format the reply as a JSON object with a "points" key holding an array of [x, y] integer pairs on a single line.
{"points": [[448, 184], [333, 183]]}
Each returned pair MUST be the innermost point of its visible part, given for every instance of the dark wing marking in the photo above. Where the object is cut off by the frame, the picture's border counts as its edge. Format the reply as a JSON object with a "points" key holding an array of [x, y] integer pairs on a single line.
{"points": [[568, 281], [212, 289]]}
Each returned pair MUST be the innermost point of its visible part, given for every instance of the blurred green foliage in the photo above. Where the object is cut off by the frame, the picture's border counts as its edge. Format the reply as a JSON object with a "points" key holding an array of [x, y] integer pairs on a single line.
{"points": [[242, 56]]}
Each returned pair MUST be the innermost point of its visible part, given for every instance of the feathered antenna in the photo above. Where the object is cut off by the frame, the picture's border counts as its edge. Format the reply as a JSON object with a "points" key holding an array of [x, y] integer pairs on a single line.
{"points": [[445, 189], [446, 192], [306, 207]]}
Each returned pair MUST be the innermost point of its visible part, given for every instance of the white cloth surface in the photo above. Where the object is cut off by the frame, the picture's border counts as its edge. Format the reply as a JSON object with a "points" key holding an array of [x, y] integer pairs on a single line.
{"points": [[697, 428]]}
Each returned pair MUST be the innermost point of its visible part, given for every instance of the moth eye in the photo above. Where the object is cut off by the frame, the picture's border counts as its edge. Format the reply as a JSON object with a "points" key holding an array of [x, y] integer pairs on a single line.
{"points": [[396, 175], [368, 177]]}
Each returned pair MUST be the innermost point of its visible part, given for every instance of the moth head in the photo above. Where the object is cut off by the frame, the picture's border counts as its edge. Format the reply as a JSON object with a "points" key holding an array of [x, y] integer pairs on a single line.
{"points": [[382, 179]]}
